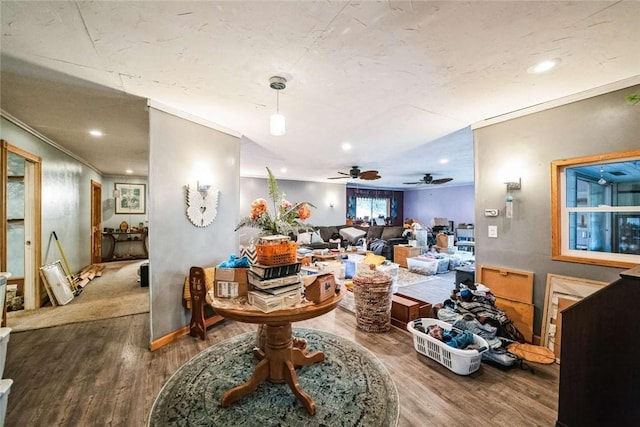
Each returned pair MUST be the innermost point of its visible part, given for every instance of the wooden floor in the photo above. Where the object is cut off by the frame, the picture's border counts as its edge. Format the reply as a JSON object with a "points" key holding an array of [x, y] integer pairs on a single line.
{"points": [[100, 373]]}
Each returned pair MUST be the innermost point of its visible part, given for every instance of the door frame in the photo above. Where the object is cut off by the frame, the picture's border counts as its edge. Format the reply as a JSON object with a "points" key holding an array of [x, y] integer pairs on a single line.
{"points": [[96, 222], [33, 221]]}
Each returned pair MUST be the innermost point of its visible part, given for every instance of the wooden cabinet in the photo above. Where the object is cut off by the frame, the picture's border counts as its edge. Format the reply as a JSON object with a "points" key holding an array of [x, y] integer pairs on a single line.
{"points": [[402, 252], [600, 353]]}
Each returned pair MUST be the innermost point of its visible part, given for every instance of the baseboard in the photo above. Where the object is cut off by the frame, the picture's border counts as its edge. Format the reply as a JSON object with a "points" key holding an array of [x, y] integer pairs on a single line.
{"points": [[172, 336], [169, 338]]}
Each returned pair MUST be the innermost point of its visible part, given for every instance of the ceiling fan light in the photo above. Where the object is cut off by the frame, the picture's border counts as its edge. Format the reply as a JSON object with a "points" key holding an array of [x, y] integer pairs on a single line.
{"points": [[602, 181], [277, 123]]}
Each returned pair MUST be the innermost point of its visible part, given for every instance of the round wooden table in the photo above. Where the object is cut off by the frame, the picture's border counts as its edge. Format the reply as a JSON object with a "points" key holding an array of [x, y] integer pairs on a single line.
{"points": [[282, 352]]}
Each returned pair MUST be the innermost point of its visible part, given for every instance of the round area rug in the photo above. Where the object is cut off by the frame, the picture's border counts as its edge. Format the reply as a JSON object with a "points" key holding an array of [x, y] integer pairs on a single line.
{"points": [[350, 388]]}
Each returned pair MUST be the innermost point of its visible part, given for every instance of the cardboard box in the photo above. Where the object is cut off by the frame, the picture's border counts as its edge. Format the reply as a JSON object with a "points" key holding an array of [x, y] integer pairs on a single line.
{"points": [[319, 288], [230, 283]]}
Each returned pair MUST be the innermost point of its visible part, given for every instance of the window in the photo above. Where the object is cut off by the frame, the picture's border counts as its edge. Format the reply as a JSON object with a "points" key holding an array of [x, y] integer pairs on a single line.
{"points": [[595, 207], [370, 207]]}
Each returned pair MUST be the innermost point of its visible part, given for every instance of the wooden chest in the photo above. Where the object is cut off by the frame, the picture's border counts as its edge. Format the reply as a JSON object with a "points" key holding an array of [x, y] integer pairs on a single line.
{"points": [[405, 309], [402, 252]]}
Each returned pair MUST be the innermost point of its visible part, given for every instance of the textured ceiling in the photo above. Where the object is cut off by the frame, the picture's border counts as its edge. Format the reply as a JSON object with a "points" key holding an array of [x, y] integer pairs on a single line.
{"points": [[400, 81]]}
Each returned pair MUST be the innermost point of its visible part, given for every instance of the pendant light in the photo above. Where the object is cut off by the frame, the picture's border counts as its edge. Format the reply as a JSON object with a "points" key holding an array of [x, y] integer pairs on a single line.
{"points": [[277, 123], [602, 181]]}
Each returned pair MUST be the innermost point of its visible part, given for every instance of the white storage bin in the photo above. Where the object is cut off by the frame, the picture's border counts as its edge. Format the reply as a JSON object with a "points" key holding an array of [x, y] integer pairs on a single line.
{"points": [[422, 265], [462, 362], [443, 265], [5, 388], [4, 340]]}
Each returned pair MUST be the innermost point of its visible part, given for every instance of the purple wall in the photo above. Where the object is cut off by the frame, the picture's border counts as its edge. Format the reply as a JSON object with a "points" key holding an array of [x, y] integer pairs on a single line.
{"points": [[454, 203]]}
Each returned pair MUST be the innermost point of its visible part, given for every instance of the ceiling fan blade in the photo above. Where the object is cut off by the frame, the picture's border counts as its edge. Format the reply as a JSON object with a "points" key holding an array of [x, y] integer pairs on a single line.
{"points": [[441, 180], [338, 177], [411, 183], [369, 175]]}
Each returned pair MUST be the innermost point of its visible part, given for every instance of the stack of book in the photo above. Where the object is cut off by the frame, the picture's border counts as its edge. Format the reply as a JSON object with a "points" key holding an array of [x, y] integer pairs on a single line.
{"points": [[274, 287]]}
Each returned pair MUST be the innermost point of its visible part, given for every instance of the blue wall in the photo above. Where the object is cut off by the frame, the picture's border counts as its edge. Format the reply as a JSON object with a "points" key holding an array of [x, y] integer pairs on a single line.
{"points": [[454, 203]]}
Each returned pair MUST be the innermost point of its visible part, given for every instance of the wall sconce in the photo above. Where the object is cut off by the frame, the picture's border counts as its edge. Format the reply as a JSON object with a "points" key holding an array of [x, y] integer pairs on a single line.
{"points": [[511, 185], [203, 188], [277, 122], [116, 193]]}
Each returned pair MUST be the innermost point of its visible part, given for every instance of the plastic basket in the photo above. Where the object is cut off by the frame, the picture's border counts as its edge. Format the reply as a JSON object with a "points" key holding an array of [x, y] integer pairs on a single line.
{"points": [[462, 362], [277, 254]]}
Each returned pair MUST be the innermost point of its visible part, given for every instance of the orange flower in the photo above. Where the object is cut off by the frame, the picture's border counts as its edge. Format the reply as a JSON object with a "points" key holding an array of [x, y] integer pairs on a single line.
{"points": [[258, 207], [304, 212]]}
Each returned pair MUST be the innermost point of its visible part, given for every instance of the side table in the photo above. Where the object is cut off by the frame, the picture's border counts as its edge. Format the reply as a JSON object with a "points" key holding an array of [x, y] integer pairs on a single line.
{"points": [[282, 352]]}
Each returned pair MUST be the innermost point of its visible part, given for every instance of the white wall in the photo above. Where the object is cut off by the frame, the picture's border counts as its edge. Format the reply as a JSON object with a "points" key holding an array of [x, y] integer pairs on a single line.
{"points": [[321, 195], [454, 203], [66, 198], [109, 217], [181, 153]]}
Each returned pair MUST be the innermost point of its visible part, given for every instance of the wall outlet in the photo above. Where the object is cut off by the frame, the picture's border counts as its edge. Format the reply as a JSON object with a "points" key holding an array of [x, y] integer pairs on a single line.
{"points": [[491, 212], [493, 231]]}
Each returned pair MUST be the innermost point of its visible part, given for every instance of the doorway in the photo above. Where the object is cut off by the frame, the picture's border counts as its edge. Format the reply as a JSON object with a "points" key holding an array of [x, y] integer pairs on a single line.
{"points": [[96, 222], [20, 229]]}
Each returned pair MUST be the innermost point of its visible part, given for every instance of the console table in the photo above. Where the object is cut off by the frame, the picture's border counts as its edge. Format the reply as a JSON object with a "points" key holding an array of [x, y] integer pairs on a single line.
{"points": [[282, 352], [126, 237]]}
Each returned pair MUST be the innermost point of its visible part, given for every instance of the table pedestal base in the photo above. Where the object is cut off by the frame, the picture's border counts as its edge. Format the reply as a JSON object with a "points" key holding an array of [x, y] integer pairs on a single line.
{"points": [[278, 361]]}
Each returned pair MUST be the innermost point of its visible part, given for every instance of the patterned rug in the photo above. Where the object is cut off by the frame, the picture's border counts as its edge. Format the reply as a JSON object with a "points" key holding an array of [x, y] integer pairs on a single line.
{"points": [[350, 388]]}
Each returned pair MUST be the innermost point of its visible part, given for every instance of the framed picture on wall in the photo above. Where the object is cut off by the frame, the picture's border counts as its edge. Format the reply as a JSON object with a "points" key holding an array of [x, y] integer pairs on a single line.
{"points": [[130, 199]]}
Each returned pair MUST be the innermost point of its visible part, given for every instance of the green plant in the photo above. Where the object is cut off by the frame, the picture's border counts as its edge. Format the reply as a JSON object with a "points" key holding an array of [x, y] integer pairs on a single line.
{"points": [[284, 218]]}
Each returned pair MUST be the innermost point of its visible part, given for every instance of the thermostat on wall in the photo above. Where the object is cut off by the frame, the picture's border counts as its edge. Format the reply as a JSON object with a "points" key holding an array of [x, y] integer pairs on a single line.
{"points": [[491, 212]]}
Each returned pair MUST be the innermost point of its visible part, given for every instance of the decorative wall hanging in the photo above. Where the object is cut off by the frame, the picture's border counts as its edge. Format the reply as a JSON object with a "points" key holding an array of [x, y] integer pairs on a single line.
{"points": [[130, 198], [202, 205]]}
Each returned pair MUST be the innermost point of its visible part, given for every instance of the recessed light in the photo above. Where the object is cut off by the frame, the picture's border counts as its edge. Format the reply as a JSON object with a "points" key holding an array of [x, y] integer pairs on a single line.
{"points": [[95, 132], [444, 161], [346, 146], [283, 170], [543, 67], [129, 171]]}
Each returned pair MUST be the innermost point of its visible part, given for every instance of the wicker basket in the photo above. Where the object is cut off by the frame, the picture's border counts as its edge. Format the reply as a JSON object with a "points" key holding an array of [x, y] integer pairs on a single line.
{"points": [[372, 294], [277, 254]]}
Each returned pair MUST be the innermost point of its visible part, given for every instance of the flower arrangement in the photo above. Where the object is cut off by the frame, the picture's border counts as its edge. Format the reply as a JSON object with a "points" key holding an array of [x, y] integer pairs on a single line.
{"points": [[285, 218]]}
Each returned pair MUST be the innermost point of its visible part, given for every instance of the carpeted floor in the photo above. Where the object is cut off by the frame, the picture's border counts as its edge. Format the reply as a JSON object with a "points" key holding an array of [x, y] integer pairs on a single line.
{"points": [[117, 293], [350, 388]]}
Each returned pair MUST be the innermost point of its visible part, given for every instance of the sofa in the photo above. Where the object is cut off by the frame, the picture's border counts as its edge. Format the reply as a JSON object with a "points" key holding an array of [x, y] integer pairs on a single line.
{"points": [[380, 239]]}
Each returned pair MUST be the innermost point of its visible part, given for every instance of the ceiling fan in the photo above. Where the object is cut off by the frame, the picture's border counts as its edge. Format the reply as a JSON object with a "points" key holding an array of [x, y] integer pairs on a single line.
{"points": [[355, 173], [428, 179]]}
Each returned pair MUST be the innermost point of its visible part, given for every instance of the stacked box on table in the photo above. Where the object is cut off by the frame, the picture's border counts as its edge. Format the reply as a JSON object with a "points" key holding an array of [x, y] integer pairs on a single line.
{"points": [[274, 287]]}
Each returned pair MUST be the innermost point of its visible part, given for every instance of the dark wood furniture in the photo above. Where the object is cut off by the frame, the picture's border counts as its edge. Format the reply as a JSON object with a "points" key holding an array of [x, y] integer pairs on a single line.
{"points": [[118, 237], [198, 291], [280, 356], [599, 373]]}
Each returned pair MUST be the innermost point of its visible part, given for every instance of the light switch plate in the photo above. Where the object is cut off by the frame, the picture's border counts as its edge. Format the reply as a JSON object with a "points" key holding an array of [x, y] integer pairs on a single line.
{"points": [[493, 231], [491, 212]]}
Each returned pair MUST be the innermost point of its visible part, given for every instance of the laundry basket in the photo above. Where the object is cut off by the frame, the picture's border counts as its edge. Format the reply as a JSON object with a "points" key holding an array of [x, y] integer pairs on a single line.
{"points": [[462, 362]]}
